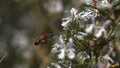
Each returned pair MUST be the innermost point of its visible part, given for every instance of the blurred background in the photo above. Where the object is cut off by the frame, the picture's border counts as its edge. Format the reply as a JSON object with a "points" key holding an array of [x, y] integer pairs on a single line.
{"points": [[21, 23]]}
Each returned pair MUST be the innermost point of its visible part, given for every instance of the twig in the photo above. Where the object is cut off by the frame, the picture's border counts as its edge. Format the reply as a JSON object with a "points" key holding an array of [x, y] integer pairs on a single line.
{"points": [[4, 57]]}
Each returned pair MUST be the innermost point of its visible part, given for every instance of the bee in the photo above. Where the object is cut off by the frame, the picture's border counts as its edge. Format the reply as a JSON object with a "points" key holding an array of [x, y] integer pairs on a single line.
{"points": [[43, 39]]}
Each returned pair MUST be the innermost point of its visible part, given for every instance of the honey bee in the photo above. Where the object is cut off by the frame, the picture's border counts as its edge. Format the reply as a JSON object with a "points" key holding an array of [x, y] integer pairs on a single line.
{"points": [[43, 39]]}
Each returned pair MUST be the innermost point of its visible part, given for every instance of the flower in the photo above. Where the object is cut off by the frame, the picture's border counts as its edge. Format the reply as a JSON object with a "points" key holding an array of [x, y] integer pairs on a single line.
{"points": [[85, 15], [65, 24], [73, 16], [102, 29], [64, 49], [104, 4], [82, 56], [86, 1], [80, 37], [61, 40], [100, 32], [56, 65], [71, 53], [90, 28], [73, 12], [61, 55]]}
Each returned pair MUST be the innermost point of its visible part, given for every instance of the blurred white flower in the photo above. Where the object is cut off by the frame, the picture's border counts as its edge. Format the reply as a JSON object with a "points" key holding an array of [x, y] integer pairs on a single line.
{"points": [[100, 32], [108, 58], [73, 15], [73, 12], [104, 4], [90, 28], [82, 56], [54, 6], [85, 15], [61, 40], [71, 53], [106, 63], [54, 49], [80, 37], [102, 64], [65, 23], [61, 55], [70, 43], [82, 33], [106, 23], [102, 29], [20, 39], [86, 1], [64, 49], [58, 45], [56, 65]]}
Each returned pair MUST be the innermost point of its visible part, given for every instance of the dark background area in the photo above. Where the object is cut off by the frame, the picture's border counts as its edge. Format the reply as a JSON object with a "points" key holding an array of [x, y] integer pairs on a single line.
{"points": [[21, 22]]}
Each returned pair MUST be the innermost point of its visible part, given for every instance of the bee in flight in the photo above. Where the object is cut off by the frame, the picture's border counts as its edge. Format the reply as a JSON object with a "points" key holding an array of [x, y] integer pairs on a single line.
{"points": [[43, 39]]}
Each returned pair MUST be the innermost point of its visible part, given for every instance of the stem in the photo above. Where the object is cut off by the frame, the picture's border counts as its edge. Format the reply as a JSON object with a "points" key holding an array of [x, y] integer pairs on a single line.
{"points": [[114, 26], [91, 60], [4, 57]]}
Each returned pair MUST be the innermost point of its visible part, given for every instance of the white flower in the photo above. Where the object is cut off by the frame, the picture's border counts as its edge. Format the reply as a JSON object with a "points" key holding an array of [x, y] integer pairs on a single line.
{"points": [[102, 29], [56, 65], [70, 51], [85, 15], [103, 64], [80, 37], [82, 33], [70, 43], [90, 28], [54, 6], [108, 58], [104, 4], [65, 24], [73, 12], [59, 45], [82, 56], [86, 1], [71, 54], [100, 32], [61, 55], [73, 16], [61, 40], [54, 50], [64, 49], [106, 23]]}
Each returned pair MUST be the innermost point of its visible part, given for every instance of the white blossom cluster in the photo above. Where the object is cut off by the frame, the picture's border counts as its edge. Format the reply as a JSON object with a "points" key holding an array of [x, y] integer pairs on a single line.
{"points": [[64, 49], [97, 28]]}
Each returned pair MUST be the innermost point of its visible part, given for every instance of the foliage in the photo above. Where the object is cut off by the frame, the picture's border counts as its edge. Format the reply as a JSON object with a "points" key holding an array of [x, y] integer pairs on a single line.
{"points": [[89, 35]]}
